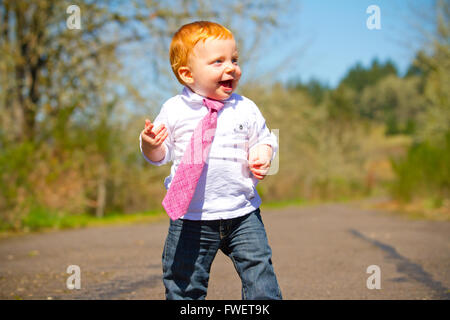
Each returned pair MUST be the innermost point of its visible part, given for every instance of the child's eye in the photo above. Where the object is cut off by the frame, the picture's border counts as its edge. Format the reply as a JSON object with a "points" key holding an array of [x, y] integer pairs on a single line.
{"points": [[235, 60], [218, 61]]}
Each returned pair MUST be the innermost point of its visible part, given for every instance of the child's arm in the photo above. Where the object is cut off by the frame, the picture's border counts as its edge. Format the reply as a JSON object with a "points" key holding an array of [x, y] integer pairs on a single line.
{"points": [[263, 145]]}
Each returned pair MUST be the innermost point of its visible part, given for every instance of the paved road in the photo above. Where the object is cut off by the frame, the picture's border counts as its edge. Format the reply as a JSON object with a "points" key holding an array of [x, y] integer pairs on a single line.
{"points": [[319, 252]]}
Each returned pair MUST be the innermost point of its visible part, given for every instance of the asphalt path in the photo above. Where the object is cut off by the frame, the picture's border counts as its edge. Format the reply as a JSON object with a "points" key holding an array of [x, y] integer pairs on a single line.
{"points": [[319, 252]]}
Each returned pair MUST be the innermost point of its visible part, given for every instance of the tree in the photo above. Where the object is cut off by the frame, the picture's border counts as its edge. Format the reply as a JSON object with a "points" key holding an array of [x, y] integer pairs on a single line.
{"points": [[314, 88], [435, 122], [50, 71], [395, 101], [59, 88], [424, 171], [359, 77]]}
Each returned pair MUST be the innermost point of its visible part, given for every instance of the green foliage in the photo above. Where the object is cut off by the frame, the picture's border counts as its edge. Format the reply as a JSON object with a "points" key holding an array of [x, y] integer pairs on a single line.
{"points": [[67, 142], [423, 172], [378, 93], [321, 157], [435, 121], [69, 149], [15, 167], [41, 218], [340, 104], [416, 69], [396, 102], [358, 77], [313, 88]]}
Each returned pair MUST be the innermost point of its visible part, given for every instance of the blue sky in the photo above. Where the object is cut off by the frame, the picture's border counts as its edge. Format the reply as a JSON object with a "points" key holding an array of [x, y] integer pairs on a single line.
{"points": [[318, 39], [324, 38]]}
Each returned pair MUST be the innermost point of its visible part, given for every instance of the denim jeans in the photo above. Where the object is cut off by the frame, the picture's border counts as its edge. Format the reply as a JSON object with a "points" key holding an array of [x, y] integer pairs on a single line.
{"points": [[191, 246]]}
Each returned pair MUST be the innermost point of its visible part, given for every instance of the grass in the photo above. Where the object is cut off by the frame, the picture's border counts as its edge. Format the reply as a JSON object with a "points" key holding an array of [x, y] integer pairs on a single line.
{"points": [[43, 220], [283, 204], [302, 203], [417, 209]]}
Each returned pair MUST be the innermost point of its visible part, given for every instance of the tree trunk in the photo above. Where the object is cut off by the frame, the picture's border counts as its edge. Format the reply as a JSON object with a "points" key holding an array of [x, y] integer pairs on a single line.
{"points": [[101, 194]]}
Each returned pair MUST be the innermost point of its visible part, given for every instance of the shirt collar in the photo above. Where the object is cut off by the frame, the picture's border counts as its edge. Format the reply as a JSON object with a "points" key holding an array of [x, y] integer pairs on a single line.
{"points": [[193, 98]]}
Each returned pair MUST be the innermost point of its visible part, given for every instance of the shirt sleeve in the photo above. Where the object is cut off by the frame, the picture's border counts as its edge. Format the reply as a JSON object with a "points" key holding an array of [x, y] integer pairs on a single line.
{"points": [[260, 133], [167, 144]]}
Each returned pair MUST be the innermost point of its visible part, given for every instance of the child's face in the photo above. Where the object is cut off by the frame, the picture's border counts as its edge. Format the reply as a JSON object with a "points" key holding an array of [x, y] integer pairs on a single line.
{"points": [[213, 69]]}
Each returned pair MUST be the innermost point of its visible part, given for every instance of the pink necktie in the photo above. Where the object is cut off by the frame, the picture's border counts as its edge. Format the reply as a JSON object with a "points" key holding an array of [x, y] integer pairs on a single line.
{"points": [[178, 197]]}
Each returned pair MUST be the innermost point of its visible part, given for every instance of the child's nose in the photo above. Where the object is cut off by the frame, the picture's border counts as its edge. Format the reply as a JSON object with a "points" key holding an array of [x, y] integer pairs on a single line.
{"points": [[230, 68]]}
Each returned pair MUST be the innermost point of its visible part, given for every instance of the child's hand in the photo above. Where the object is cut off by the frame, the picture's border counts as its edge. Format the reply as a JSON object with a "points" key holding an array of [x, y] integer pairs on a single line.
{"points": [[259, 160], [156, 137]]}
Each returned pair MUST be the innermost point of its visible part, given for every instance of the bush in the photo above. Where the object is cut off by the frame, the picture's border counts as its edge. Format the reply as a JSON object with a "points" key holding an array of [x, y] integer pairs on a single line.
{"points": [[423, 172]]}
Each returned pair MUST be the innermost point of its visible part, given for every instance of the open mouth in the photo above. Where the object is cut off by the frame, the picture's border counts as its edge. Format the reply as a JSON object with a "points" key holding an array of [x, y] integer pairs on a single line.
{"points": [[227, 85]]}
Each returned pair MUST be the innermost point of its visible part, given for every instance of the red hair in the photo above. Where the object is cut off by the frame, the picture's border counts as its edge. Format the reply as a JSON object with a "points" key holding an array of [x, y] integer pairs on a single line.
{"points": [[187, 37]]}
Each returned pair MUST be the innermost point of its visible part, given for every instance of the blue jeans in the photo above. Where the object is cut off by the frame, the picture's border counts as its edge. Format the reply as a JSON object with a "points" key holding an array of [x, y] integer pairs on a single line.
{"points": [[191, 246]]}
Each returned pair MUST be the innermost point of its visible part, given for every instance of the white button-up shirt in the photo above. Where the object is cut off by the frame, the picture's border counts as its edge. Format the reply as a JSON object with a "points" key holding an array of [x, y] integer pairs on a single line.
{"points": [[226, 188]]}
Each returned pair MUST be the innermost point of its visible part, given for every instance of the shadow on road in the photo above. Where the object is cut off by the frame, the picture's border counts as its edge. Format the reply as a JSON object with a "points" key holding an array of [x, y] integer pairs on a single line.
{"points": [[405, 266]]}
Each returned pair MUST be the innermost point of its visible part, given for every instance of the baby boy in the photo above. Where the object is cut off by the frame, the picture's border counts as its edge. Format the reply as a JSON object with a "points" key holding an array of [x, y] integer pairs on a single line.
{"points": [[224, 210]]}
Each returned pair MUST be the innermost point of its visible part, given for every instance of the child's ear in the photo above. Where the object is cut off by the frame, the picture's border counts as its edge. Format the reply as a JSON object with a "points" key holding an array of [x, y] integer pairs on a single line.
{"points": [[186, 75]]}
